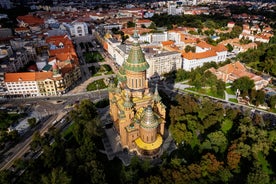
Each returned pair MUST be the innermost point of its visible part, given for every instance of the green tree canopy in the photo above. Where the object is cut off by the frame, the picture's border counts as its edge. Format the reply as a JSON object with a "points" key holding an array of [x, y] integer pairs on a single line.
{"points": [[243, 84]]}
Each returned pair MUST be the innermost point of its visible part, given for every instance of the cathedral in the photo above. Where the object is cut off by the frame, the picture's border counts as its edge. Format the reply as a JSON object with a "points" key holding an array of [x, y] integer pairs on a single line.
{"points": [[138, 114]]}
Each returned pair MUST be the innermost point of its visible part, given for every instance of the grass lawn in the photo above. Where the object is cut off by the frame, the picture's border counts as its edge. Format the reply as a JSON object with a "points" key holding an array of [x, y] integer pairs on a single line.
{"points": [[68, 132], [230, 91], [98, 84], [233, 100], [205, 91], [103, 69], [93, 57]]}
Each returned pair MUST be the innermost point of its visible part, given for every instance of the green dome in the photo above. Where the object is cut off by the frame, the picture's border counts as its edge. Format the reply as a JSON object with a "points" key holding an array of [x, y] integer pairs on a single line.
{"points": [[136, 61], [148, 119]]}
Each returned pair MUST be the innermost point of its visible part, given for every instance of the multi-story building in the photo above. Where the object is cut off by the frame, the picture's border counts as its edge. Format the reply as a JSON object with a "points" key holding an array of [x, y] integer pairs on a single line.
{"points": [[204, 53], [50, 83], [160, 62], [53, 76], [230, 72], [138, 116], [172, 9], [5, 4], [163, 62], [76, 29]]}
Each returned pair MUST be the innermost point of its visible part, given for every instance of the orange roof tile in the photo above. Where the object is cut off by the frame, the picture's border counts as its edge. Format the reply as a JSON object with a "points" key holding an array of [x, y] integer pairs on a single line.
{"points": [[130, 31], [200, 55], [231, 67], [203, 44], [30, 19], [187, 39], [27, 76], [219, 48], [141, 21], [15, 77], [56, 40], [167, 43], [43, 75]]}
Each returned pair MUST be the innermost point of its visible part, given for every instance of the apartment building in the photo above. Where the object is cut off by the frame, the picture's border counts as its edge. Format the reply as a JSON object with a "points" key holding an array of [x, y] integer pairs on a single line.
{"points": [[53, 75], [160, 62], [163, 62]]}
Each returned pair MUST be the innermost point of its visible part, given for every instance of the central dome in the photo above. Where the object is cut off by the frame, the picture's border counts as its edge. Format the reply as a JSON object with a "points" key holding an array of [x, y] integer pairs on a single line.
{"points": [[136, 61]]}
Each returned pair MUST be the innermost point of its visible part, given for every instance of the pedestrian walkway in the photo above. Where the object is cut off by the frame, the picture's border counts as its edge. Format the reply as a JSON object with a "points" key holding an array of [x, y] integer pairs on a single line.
{"points": [[228, 96]]}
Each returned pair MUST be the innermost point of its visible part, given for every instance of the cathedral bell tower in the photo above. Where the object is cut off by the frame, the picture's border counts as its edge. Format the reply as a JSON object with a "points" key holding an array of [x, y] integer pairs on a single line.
{"points": [[135, 68]]}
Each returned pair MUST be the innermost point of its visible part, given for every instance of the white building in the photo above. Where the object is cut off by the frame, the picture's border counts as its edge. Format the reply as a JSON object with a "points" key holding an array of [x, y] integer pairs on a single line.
{"points": [[145, 38], [160, 62], [172, 9], [80, 29], [76, 29], [159, 37], [174, 36], [111, 26], [163, 62], [204, 53], [111, 46], [23, 84]]}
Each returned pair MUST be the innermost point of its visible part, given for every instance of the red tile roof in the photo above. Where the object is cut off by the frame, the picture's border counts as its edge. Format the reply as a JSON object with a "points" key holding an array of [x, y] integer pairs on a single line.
{"points": [[30, 19], [199, 55], [27, 76]]}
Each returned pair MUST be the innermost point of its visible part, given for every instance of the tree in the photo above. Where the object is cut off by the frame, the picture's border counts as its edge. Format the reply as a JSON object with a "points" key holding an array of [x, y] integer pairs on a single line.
{"points": [[220, 85], [181, 75], [197, 82], [5, 177], [36, 141], [152, 26], [218, 141], [260, 97], [233, 157], [243, 84], [57, 176], [124, 37], [13, 135], [32, 122], [272, 101], [130, 24], [209, 164], [258, 176], [229, 47], [189, 48]]}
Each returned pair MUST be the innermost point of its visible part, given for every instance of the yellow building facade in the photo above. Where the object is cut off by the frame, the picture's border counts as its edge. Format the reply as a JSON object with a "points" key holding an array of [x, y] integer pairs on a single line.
{"points": [[138, 115]]}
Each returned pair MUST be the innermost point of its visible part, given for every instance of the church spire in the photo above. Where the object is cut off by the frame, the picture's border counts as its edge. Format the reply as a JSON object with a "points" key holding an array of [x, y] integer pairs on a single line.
{"points": [[156, 96]]}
